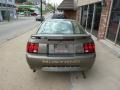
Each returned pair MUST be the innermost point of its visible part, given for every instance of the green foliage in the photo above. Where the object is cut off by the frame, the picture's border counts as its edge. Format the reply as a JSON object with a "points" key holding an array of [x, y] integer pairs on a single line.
{"points": [[50, 7]]}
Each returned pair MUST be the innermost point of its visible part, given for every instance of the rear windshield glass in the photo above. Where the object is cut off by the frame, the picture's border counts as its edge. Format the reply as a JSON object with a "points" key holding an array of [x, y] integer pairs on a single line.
{"points": [[78, 29], [60, 27]]}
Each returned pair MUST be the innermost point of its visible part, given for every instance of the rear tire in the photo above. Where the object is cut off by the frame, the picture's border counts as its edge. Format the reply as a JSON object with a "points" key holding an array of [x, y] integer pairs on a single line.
{"points": [[34, 70], [83, 74]]}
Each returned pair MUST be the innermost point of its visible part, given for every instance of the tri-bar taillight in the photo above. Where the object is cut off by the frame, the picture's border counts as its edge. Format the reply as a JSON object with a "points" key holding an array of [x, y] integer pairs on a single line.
{"points": [[89, 48], [32, 47]]}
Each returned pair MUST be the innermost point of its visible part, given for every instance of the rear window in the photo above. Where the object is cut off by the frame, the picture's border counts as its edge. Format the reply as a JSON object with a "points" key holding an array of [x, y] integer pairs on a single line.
{"points": [[60, 27], [56, 27]]}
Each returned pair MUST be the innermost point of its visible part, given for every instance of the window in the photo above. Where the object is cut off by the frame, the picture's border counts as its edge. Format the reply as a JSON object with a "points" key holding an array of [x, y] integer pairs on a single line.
{"points": [[56, 27], [118, 37], [114, 21], [61, 27], [78, 29]]}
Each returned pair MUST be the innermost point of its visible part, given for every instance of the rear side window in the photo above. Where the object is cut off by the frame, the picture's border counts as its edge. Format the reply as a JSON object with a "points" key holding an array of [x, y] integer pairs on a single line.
{"points": [[78, 29], [56, 27]]}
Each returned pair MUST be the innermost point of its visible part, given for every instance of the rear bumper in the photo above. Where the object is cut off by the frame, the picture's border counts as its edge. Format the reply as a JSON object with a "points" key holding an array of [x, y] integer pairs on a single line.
{"points": [[83, 62]]}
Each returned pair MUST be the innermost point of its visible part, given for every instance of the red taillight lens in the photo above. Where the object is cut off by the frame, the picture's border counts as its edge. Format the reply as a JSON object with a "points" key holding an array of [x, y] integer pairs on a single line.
{"points": [[89, 47], [32, 47]]}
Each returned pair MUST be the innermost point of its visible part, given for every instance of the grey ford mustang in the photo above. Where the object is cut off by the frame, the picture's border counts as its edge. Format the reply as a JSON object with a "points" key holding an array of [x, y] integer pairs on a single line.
{"points": [[62, 45]]}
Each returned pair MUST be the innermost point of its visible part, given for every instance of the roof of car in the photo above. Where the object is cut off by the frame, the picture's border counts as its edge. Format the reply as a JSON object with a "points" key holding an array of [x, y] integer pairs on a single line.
{"points": [[58, 16]]}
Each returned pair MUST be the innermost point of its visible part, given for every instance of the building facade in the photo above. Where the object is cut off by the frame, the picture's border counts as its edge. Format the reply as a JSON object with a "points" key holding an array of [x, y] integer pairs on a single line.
{"points": [[69, 9], [100, 18], [7, 10]]}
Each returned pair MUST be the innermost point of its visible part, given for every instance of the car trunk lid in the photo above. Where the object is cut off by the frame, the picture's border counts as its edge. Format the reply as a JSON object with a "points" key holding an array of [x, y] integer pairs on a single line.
{"points": [[60, 45]]}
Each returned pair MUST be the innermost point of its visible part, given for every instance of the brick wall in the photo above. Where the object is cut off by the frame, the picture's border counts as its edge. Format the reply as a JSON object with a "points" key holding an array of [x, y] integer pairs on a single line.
{"points": [[70, 14], [104, 19]]}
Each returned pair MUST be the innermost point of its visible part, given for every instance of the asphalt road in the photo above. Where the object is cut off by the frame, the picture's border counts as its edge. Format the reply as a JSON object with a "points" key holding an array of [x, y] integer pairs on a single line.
{"points": [[15, 28]]}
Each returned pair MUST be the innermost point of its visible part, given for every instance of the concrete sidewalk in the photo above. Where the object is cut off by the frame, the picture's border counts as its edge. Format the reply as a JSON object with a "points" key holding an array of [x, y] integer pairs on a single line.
{"points": [[105, 74], [115, 49]]}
